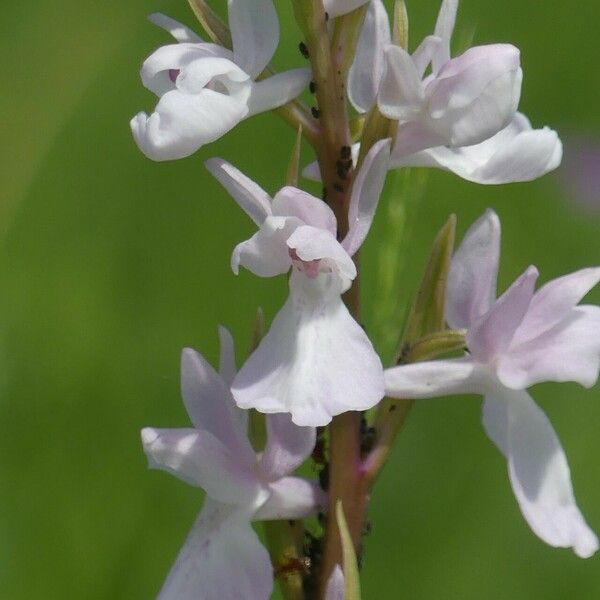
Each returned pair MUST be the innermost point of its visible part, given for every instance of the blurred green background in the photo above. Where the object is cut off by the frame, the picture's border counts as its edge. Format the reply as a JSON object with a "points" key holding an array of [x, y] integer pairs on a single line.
{"points": [[111, 263]]}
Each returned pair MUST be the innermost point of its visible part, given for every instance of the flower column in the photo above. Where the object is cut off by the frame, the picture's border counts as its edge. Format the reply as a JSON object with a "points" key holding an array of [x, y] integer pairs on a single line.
{"points": [[335, 163]]}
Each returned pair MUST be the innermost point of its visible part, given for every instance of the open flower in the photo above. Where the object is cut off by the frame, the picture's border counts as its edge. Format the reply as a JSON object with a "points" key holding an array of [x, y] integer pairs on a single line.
{"points": [[520, 339], [205, 90], [316, 361], [222, 556], [461, 117]]}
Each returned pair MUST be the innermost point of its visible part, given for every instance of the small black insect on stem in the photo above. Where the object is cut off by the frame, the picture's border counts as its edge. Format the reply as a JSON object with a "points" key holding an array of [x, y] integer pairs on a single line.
{"points": [[303, 49]]}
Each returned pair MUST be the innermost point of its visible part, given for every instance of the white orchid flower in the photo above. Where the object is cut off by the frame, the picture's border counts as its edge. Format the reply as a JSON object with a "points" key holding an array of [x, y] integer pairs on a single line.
{"points": [[521, 339], [205, 90], [462, 117], [222, 556], [316, 361]]}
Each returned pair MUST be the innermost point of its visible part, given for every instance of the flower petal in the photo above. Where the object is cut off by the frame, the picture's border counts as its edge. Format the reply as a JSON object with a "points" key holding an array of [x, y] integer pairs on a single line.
{"points": [[425, 52], [368, 66], [288, 446], [227, 366], [311, 244], [366, 191], [528, 156], [554, 302], [253, 200], [277, 90], [158, 69], [492, 333], [464, 79], [182, 123], [538, 471], [517, 153], [570, 351], [335, 585], [200, 459], [476, 103], [292, 498], [443, 30], [227, 371], [335, 8], [221, 558], [414, 136], [431, 379], [292, 202], [315, 362], [210, 405], [255, 33], [401, 94], [179, 31], [266, 254], [473, 272], [212, 70]]}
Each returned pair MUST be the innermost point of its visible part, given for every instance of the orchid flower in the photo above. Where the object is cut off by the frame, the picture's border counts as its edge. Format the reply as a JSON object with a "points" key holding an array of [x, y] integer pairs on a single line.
{"points": [[516, 341], [462, 117], [205, 90], [316, 361], [222, 557]]}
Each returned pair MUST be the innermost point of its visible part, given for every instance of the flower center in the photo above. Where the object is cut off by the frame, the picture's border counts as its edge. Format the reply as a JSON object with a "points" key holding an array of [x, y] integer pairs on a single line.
{"points": [[311, 268], [173, 73]]}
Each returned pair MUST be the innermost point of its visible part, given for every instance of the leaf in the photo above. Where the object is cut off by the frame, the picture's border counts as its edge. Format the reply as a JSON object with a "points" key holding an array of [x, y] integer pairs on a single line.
{"points": [[350, 567], [400, 25], [427, 313], [213, 25], [291, 177]]}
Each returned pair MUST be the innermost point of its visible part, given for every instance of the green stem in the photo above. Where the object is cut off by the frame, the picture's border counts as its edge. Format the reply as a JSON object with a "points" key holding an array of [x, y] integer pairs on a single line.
{"points": [[284, 540]]}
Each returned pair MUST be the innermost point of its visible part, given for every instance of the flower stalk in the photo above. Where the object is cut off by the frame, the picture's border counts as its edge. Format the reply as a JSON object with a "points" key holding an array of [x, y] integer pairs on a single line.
{"points": [[335, 163]]}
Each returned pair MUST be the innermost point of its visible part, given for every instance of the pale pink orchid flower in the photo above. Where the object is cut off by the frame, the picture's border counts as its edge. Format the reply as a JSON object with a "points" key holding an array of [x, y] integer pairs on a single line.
{"points": [[205, 90], [316, 361], [222, 557], [462, 116], [520, 339]]}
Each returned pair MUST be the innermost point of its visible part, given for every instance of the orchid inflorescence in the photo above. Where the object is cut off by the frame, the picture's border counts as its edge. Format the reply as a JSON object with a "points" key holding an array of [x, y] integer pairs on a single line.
{"points": [[316, 367]]}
